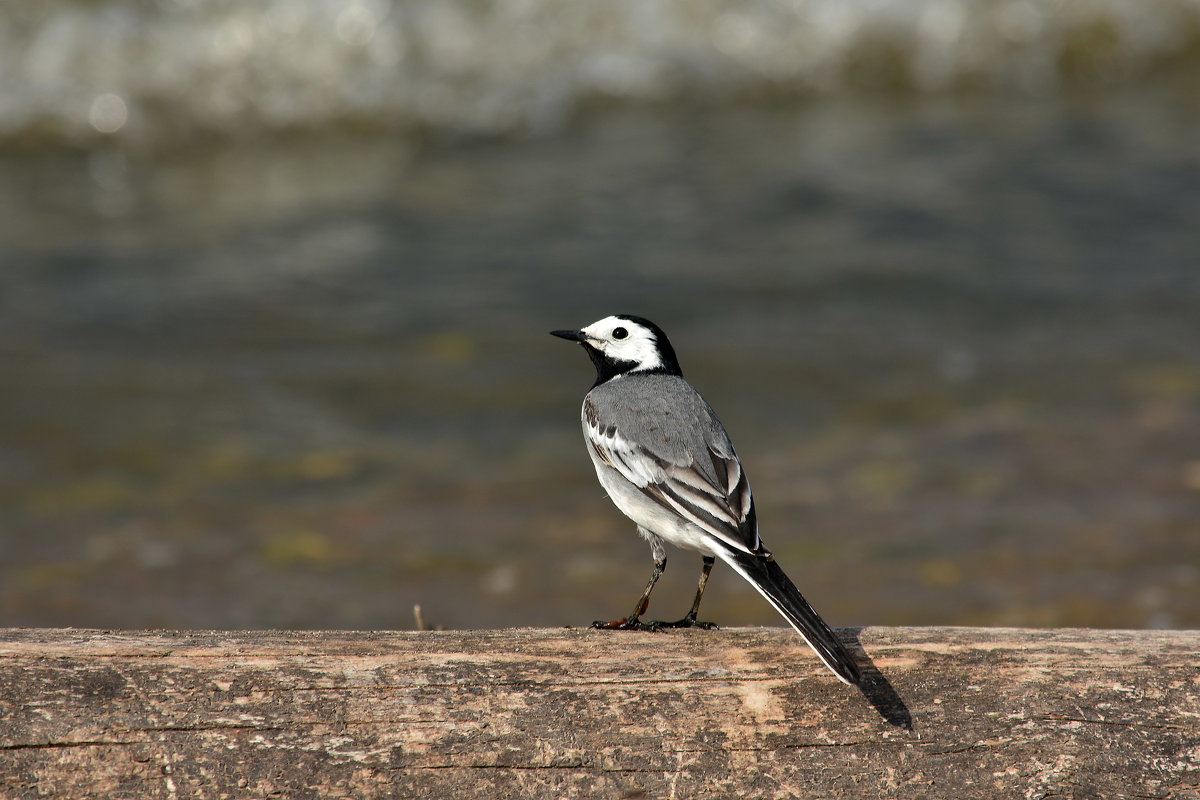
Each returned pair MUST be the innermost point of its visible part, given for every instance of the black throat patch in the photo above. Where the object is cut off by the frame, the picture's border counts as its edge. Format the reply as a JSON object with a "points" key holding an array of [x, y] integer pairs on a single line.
{"points": [[607, 368]]}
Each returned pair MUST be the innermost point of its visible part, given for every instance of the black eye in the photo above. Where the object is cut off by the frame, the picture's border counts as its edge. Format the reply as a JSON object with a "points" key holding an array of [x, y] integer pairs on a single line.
{"points": [[619, 333]]}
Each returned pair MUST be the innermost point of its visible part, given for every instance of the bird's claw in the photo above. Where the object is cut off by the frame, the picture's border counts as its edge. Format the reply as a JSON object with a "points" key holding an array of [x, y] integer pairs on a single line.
{"points": [[689, 622], [628, 624], [654, 626]]}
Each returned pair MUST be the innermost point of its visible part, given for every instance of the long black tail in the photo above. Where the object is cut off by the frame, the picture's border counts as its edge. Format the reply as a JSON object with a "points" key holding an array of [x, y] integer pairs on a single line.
{"points": [[767, 577]]}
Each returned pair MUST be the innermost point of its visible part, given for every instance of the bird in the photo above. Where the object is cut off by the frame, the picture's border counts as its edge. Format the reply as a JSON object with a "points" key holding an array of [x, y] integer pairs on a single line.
{"points": [[667, 463]]}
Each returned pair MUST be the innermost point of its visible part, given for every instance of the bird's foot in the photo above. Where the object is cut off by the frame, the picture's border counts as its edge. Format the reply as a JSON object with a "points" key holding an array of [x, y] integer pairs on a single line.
{"points": [[627, 624], [688, 622]]}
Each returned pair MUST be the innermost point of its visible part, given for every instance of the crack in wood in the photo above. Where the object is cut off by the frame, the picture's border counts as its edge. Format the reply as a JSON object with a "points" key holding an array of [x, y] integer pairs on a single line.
{"points": [[966, 748], [197, 728], [65, 745], [543, 767]]}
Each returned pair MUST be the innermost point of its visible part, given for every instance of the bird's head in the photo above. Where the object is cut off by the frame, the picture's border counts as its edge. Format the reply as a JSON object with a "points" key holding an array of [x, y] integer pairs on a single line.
{"points": [[624, 343]]}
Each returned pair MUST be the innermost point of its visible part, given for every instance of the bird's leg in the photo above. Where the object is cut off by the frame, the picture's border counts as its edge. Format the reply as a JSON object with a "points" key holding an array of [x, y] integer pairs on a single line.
{"points": [[690, 620], [633, 621]]}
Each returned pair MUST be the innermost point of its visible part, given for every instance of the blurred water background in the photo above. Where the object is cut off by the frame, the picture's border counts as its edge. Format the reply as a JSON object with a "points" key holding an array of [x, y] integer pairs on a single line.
{"points": [[275, 282]]}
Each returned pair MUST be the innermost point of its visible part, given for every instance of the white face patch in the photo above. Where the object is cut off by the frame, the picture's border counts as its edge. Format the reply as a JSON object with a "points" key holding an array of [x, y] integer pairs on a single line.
{"points": [[638, 345]]}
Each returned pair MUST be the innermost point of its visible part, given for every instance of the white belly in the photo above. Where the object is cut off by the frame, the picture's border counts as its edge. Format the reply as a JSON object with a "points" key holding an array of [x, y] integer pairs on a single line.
{"points": [[651, 516]]}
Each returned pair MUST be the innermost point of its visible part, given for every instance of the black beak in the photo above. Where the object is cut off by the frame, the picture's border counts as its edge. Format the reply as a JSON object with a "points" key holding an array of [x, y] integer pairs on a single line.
{"points": [[574, 336]]}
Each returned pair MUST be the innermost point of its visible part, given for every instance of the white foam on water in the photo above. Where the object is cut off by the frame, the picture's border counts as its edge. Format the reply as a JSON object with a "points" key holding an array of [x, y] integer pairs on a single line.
{"points": [[79, 72]]}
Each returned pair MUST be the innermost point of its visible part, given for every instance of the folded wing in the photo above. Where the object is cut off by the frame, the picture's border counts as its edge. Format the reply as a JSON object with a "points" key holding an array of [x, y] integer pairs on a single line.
{"points": [[715, 496]]}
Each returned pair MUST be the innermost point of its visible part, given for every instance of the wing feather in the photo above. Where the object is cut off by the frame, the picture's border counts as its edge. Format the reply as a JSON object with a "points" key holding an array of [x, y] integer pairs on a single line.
{"points": [[720, 503]]}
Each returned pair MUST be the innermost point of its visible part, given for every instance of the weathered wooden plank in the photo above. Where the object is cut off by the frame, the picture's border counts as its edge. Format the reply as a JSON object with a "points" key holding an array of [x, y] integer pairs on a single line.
{"points": [[578, 713]]}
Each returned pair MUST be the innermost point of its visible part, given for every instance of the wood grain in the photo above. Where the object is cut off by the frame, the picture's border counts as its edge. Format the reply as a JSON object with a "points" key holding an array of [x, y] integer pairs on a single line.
{"points": [[946, 712]]}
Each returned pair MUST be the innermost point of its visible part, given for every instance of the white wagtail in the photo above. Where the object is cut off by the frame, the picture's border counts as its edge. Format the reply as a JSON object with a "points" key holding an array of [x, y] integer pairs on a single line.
{"points": [[666, 461]]}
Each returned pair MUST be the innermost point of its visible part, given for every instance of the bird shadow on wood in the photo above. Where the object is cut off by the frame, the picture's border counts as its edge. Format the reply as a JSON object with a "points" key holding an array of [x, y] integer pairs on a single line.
{"points": [[876, 687]]}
